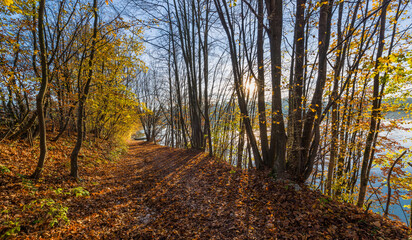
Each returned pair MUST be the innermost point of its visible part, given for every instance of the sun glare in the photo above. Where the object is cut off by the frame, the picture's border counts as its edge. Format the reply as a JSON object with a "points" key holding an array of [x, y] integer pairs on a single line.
{"points": [[250, 86]]}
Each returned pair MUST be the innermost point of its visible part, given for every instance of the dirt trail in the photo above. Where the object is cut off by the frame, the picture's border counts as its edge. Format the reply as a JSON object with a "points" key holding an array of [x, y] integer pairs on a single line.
{"points": [[133, 199], [157, 192]]}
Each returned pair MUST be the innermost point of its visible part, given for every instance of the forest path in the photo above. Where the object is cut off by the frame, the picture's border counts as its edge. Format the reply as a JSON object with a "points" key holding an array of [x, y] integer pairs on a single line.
{"points": [[156, 192], [151, 193]]}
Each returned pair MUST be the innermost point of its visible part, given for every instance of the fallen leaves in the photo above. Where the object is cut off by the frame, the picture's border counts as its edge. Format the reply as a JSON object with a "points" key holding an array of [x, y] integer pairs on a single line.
{"points": [[156, 192]]}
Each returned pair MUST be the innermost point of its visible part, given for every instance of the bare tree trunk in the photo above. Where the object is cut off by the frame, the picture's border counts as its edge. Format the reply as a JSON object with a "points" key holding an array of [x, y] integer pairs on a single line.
{"points": [[367, 157], [74, 170], [388, 201], [42, 93], [206, 78], [278, 137], [177, 80], [310, 132], [186, 28], [335, 109], [222, 10], [260, 84], [241, 145], [23, 129], [296, 97], [64, 127]]}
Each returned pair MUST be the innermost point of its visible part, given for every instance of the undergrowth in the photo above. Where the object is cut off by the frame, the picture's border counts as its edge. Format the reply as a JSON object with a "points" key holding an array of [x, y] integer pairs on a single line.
{"points": [[26, 204]]}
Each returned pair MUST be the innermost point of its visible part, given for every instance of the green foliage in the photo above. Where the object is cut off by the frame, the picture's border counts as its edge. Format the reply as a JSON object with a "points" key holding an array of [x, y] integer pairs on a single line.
{"points": [[324, 200], [13, 228], [273, 174], [397, 67], [59, 191], [4, 169], [47, 211], [79, 192], [28, 185], [118, 149]]}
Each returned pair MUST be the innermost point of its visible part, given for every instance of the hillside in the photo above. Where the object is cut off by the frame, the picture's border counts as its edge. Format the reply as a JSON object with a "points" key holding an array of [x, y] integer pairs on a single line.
{"points": [[156, 192]]}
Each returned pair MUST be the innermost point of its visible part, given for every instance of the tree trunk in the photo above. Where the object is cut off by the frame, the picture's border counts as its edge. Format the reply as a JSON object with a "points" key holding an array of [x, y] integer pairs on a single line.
{"points": [[42, 93], [228, 27], [277, 156], [74, 170], [367, 157], [206, 78], [296, 97], [335, 106], [310, 142], [260, 84]]}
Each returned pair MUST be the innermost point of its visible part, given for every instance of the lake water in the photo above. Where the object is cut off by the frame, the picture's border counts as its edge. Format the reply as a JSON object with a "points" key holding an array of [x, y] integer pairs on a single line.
{"points": [[404, 137]]}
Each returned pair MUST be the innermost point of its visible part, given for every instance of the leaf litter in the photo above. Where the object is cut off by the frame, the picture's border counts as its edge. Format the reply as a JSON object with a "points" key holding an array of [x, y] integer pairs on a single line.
{"points": [[156, 192]]}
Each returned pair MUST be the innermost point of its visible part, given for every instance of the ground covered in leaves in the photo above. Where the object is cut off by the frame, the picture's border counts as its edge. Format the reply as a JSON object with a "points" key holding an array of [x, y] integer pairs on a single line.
{"points": [[156, 192]]}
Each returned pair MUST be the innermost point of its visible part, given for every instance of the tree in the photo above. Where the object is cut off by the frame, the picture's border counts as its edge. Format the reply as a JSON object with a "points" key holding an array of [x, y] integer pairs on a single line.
{"points": [[83, 93], [42, 93], [374, 125]]}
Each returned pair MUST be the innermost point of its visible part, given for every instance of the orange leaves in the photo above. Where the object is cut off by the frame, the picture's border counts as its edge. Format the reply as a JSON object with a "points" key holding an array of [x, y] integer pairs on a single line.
{"points": [[158, 192]]}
